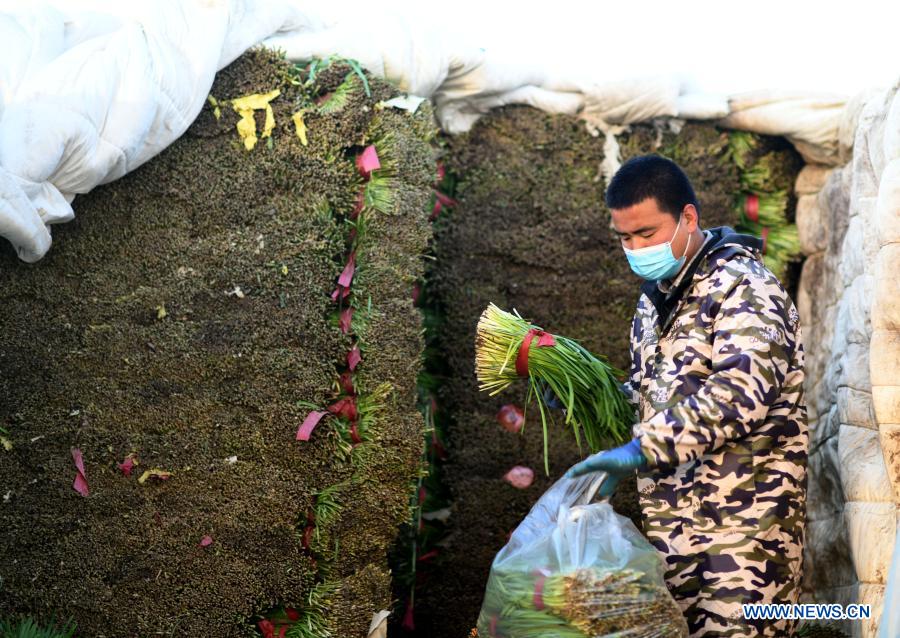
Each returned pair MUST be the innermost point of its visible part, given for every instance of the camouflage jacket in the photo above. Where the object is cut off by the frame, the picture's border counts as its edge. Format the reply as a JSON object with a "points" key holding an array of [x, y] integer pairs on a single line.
{"points": [[717, 380]]}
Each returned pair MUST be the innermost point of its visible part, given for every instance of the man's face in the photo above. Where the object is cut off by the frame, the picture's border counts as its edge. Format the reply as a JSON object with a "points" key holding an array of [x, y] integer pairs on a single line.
{"points": [[644, 224]]}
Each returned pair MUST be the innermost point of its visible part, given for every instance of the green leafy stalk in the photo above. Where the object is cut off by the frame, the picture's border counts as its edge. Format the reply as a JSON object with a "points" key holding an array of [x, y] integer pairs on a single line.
{"points": [[740, 145], [782, 245], [340, 97], [587, 385], [314, 621], [27, 628]]}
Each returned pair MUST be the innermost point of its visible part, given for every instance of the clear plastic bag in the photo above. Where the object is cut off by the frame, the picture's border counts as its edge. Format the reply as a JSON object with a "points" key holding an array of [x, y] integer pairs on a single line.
{"points": [[576, 569]]}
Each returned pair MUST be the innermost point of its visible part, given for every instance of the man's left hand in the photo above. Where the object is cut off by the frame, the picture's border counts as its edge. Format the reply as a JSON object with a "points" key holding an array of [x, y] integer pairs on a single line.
{"points": [[617, 462]]}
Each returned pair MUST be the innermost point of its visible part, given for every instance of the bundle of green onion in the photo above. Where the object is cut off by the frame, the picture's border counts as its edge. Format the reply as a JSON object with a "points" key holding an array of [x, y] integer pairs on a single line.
{"points": [[508, 348], [781, 244], [586, 602], [762, 203]]}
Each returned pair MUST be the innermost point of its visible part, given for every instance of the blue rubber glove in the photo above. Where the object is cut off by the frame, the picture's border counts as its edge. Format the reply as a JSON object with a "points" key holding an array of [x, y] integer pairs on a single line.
{"points": [[551, 400], [617, 463]]}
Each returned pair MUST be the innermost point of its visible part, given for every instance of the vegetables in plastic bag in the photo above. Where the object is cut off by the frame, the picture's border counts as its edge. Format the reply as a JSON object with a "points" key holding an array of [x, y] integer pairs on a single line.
{"points": [[576, 569]]}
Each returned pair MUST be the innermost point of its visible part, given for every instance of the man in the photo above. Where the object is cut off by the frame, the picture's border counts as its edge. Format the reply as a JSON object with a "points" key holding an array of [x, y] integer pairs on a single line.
{"points": [[721, 442]]}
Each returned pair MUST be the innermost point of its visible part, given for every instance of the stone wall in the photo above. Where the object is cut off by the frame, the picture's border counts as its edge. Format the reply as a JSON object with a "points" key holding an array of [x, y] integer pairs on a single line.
{"points": [[848, 219]]}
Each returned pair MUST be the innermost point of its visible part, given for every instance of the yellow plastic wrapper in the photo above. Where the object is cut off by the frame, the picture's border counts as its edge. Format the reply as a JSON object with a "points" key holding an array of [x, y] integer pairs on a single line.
{"points": [[300, 125], [246, 126]]}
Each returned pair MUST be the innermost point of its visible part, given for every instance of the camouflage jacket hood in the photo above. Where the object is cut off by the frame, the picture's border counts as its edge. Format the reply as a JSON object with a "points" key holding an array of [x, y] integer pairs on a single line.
{"points": [[724, 243], [716, 378]]}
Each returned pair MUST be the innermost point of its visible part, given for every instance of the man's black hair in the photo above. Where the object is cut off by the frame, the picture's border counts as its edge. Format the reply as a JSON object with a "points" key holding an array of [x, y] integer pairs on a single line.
{"points": [[651, 176]]}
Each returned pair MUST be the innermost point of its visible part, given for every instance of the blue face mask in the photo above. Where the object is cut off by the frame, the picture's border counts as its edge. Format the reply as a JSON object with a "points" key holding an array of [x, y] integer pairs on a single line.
{"points": [[657, 262]]}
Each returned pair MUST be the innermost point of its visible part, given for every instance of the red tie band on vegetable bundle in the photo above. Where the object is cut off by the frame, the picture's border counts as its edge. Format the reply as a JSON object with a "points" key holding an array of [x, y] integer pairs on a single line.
{"points": [[266, 628], [440, 201], [346, 382], [345, 319], [347, 274], [765, 236], [751, 207], [341, 292], [345, 407], [545, 339], [427, 556], [538, 599], [309, 529], [439, 450], [409, 623], [353, 358], [446, 202], [360, 204]]}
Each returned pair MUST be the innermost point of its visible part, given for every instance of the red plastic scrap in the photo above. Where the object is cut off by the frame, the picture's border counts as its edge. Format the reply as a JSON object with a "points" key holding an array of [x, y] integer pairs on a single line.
{"points": [[511, 417], [368, 161], [520, 477], [127, 465], [354, 357], [80, 485], [309, 424]]}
